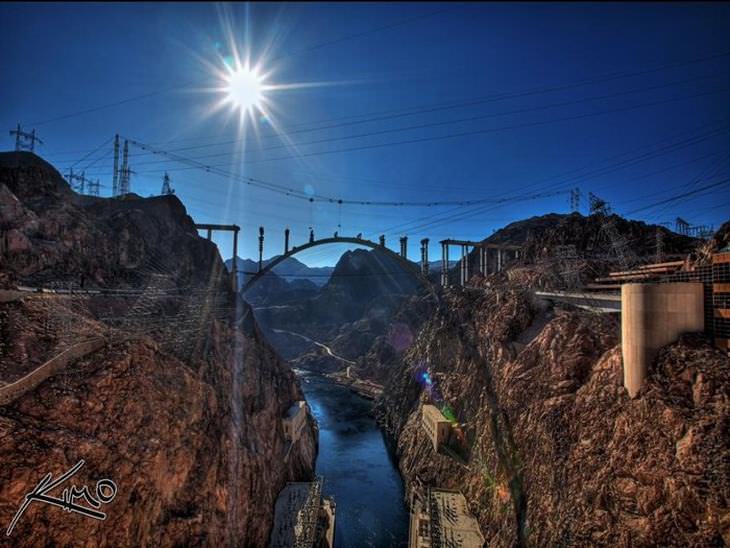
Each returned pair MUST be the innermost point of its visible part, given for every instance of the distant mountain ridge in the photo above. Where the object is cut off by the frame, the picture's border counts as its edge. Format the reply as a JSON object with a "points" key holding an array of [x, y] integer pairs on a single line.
{"points": [[290, 269]]}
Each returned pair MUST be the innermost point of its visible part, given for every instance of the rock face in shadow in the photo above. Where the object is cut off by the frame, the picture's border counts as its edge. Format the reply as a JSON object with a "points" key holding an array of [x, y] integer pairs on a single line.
{"points": [[554, 451], [50, 234], [182, 409]]}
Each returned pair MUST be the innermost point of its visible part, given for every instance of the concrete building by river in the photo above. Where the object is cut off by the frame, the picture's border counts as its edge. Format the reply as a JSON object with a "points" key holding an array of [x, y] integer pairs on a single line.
{"points": [[294, 421], [441, 517], [435, 424]]}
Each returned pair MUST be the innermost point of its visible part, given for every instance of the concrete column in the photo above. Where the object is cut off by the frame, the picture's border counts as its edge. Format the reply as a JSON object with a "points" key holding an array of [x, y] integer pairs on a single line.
{"points": [[466, 264], [652, 316], [286, 241], [463, 270], [424, 256], [499, 259], [234, 270], [404, 247], [382, 240], [261, 247], [210, 233], [444, 265]]}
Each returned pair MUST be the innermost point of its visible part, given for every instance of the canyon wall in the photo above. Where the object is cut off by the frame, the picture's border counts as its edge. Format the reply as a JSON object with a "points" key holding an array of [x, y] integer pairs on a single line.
{"points": [[549, 449], [181, 408]]}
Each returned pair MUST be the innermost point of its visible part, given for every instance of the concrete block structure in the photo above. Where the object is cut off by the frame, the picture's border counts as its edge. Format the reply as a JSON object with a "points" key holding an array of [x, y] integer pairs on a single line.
{"points": [[303, 517], [294, 421], [654, 315], [435, 424], [442, 518]]}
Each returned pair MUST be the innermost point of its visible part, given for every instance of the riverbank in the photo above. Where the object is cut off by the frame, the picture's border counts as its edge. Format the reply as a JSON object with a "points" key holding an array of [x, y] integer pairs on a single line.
{"points": [[362, 387]]}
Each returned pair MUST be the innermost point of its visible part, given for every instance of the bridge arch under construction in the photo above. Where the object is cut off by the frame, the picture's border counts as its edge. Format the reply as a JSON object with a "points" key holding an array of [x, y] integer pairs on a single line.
{"points": [[408, 266]]}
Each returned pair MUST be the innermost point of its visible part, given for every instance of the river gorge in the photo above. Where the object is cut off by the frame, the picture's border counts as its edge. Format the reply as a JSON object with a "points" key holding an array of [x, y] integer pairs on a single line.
{"points": [[358, 470]]}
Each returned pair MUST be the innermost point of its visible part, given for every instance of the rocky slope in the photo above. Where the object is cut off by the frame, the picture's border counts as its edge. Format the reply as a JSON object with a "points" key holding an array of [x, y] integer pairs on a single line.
{"points": [[183, 407], [548, 448], [540, 237]]}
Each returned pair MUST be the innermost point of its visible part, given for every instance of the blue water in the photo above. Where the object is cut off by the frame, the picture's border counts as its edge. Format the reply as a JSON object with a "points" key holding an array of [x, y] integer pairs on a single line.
{"points": [[357, 468]]}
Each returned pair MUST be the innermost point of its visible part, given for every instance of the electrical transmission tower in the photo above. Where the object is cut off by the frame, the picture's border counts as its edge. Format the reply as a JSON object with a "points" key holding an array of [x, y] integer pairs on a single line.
{"points": [[659, 245], [115, 175], [94, 187], [575, 199], [24, 140], [124, 173], [166, 186], [80, 183], [619, 244], [568, 266]]}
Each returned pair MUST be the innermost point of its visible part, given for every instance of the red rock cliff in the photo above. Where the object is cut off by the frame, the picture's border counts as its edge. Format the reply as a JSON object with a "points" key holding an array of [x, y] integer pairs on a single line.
{"points": [[556, 452], [181, 409]]}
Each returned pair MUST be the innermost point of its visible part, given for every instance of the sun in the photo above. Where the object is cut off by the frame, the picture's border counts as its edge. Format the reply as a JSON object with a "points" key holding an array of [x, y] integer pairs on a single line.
{"points": [[245, 81], [245, 89]]}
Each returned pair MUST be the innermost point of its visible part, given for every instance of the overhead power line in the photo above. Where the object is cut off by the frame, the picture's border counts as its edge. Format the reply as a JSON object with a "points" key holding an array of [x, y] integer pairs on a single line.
{"points": [[487, 130], [681, 196], [386, 115], [198, 82], [105, 143], [439, 123], [212, 168], [287, 191]]}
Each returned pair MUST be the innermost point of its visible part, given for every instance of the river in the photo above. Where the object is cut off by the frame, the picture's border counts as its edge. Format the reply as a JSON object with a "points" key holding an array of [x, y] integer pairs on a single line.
{"points": [[358, 470]]}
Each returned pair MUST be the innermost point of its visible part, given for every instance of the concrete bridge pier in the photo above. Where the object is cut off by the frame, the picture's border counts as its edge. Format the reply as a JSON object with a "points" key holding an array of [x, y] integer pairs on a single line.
{"points": [[286, 241], [464, 264], [424, 256], [444, 264], [382, 240], [483, 268], [404, 247], [234, 268], [231, 228], [261, 247]]}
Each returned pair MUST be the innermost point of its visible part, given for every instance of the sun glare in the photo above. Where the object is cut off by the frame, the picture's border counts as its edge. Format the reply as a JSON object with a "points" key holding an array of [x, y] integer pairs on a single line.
{"points": [[244, 81], [245, 89]]}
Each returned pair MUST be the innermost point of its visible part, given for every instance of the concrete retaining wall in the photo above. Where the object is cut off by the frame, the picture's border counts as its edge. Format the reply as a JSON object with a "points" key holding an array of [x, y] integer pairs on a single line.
{"points": [[10, 392], [652, 316]]}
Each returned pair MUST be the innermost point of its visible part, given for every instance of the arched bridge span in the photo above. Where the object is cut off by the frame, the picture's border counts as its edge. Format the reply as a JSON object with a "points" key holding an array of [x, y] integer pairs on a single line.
{"points": [[408, 266]]}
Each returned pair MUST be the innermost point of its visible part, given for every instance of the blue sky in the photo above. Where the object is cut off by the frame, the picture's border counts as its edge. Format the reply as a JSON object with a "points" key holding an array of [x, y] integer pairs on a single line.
{"points": [[430, 102]]}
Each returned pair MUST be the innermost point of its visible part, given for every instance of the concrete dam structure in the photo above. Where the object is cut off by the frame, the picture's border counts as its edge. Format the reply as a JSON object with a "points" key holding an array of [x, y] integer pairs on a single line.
{"points": [[652, 316]]}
